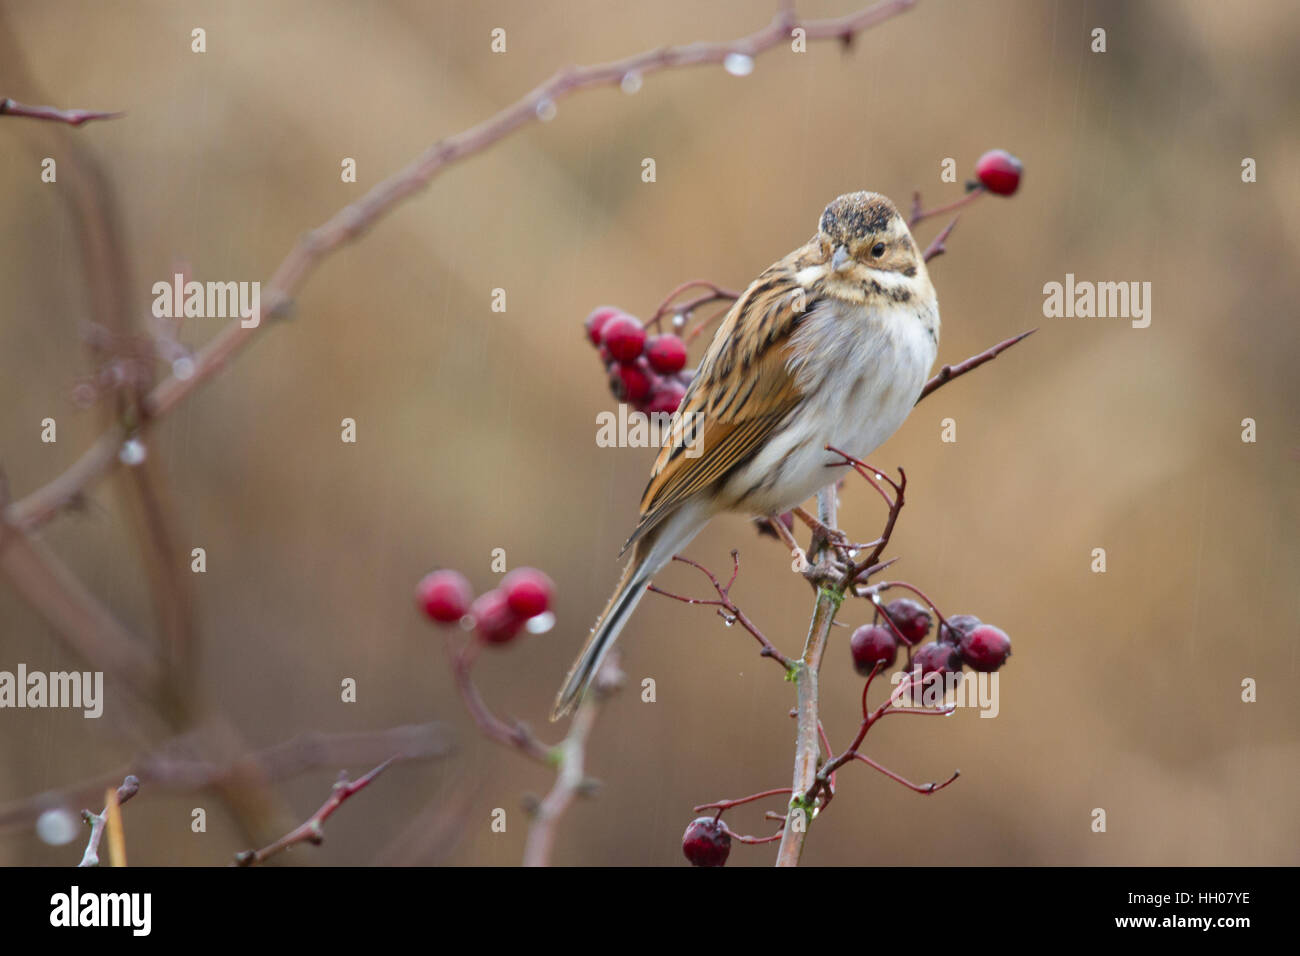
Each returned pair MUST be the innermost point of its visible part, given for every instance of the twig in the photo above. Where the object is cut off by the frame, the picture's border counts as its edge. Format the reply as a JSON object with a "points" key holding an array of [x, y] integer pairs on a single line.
{"points": [[10, 107], [98, 821], [721, 805], [938, 247], [571, 781], [949, 372], [825, 782], [85, 624], [173, 767], [313, 829], [568, 784], [920, 215], [715, 294], [727, 608], [355, 219], [516, 735]]}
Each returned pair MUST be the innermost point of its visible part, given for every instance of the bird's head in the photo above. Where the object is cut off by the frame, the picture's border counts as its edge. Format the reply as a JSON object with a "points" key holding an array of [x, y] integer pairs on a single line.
{"points": [[867, 246]]}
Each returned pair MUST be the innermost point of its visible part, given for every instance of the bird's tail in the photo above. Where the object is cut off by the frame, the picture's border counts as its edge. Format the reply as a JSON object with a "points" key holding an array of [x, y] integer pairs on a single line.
{"points": [[649, 555]]}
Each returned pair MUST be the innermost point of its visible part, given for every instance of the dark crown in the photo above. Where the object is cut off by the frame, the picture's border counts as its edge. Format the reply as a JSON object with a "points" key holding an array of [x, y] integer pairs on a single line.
{"points": [[856, 216]]}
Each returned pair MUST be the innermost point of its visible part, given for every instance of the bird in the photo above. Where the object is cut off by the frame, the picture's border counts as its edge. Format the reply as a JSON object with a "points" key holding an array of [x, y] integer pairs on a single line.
{"points": [[830, 345]]}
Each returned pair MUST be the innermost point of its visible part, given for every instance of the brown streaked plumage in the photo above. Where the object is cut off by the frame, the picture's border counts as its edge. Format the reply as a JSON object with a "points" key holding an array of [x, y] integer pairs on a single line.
{"points": [[830, 345]]}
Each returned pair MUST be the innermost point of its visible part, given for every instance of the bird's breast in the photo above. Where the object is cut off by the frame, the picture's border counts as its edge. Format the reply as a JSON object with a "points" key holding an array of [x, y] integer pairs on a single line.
{"points": [[860, 371]]}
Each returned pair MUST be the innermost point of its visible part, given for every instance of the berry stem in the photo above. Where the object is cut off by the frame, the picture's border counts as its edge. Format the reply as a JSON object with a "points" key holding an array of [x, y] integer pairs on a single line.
{"points": [[919, 215]]}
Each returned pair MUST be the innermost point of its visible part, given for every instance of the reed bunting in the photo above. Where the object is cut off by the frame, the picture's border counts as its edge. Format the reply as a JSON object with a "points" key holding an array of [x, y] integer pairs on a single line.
{"points": [[829, 346]]}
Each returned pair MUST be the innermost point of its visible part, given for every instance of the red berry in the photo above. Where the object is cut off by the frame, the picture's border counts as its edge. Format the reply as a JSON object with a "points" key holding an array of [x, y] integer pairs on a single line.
{"points": [[872, 644], [706, 842], [494, 621], [623, 336], [528, 591], [952, 630], [444, 596], [596, 321], [986, 648], [934, 661], [911, 619], [605, 356], [668, 394], [667, 354], [630, 381], [937, 658], [999, 171]]}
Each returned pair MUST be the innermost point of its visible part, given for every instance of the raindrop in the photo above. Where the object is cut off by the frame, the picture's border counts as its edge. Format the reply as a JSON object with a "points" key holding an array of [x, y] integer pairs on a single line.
{"points": [[540, 623], [631, 82], [57, 826], [183, 368], [546, 109], [132, 452], [738, 64], [679, 320]]}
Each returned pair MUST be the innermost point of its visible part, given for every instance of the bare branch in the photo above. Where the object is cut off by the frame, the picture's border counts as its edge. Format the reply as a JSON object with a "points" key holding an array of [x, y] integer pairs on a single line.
{"points": [[10, 107], [178, 767], [98, 821], [949, 372], [313, 829]]}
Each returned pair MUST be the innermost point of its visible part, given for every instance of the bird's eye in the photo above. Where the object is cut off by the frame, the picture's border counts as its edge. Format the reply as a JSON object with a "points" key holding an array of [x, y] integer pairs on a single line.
{"points": [[878, 250]]}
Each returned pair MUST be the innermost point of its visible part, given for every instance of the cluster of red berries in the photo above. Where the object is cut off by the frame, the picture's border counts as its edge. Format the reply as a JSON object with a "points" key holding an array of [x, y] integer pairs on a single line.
{"points": [[647, 372], [999, 172], [964, 641], [497, 615]]}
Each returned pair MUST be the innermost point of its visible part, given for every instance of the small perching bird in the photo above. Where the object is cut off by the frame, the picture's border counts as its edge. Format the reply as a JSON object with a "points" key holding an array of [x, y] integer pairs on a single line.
{"points": [[829, 346]]}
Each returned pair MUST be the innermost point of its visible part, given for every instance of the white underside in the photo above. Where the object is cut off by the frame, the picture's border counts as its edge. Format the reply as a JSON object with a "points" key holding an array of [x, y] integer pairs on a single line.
{"points": [[859, 384]]}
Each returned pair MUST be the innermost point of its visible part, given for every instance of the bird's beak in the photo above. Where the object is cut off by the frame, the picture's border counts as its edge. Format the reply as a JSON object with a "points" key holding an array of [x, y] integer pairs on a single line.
{"points": [[840, 258]]}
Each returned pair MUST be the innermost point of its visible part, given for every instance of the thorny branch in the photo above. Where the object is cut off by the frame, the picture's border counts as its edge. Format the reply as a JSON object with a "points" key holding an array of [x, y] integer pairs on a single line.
{"points": [[949, 372]]}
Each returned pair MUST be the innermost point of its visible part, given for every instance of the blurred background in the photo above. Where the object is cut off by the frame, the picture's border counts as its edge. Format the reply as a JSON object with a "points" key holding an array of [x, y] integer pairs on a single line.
{"points": [[476, 429]]}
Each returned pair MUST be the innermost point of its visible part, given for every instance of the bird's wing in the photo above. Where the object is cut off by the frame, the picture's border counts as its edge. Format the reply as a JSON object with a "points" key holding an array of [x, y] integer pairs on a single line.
{"points": [[742, 392]]}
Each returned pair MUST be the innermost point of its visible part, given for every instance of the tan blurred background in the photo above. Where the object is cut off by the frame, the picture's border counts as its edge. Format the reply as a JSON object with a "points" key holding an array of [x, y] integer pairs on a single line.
{"points": [[476, 429]]}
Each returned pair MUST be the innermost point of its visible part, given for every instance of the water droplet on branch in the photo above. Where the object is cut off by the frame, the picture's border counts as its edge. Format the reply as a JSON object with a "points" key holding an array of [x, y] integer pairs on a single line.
{"points": [[132, 452], [738, 64]]}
